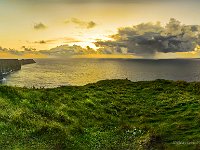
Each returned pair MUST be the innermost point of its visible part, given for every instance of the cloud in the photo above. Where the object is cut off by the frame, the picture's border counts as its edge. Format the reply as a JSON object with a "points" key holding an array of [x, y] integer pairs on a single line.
{"points": [[26, 53], [60, 51], [45, 41], [10, 51], [56, 40], [41, 42], [39, 26], [147, 39], [17, 52], [80, 23], [26, 49], [91, 24], [66, 50]]}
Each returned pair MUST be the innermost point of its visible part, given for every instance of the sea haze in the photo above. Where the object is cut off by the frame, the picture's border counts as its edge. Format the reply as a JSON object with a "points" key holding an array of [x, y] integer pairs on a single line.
{"points": [[57, 72]]}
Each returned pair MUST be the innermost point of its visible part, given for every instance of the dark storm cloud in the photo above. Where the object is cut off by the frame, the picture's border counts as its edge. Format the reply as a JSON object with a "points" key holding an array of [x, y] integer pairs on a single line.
{"points": [[39, 26], [81, 23], [147, 39]]}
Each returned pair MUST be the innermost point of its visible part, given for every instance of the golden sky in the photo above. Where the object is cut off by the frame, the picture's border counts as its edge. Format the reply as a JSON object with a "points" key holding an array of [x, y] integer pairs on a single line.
{"points": [[44, 24]]}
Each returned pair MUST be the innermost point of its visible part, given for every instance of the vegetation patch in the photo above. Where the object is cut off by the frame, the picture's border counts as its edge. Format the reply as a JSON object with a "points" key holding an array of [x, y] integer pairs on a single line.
{"points": [[109, 114]]}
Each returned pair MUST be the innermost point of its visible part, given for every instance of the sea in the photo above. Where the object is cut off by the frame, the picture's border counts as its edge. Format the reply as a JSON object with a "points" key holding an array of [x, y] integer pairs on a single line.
{"points": [[55, 72]]}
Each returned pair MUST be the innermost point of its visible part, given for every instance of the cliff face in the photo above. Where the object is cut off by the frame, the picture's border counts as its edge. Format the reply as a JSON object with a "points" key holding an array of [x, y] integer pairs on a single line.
{"points": [[9, 65], [27, 61]]}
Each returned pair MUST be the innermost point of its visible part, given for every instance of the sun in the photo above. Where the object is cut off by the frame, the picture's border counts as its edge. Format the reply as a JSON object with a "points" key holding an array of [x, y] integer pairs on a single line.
{"points": [[88, 39], [85, 44]]}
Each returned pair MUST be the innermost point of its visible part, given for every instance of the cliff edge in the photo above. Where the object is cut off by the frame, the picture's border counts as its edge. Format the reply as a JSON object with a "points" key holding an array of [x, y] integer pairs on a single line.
{"points": [[9, 65], [27, 61]]}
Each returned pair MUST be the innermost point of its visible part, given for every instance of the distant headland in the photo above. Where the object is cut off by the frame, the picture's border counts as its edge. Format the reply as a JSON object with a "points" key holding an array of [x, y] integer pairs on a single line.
{"points": [[9, 65]]}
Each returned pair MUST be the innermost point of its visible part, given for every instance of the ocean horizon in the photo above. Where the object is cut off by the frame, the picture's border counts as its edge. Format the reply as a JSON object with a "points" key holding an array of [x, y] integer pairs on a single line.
{"points": [[52, 72]]}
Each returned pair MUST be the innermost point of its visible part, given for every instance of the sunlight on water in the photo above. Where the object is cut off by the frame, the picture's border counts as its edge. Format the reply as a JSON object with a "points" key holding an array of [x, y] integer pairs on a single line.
{"points": [[57, 72]]}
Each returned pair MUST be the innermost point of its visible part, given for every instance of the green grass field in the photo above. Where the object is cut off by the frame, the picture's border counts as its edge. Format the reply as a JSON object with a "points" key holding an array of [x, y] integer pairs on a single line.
{"points": [[107, 115]]}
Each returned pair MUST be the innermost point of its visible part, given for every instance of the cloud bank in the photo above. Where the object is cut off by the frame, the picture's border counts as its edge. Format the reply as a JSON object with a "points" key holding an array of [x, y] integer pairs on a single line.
{"points": [[147, 39], [142, 40], [66, 50], [26, 53]]}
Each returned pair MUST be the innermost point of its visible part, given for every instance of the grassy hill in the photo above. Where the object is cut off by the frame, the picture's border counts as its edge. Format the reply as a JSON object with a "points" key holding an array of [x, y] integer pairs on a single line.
{"points": [[110, 114]]}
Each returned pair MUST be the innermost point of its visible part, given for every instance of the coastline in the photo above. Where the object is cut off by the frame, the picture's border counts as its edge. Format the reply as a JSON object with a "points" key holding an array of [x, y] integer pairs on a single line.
{"points": [[8, 66]]}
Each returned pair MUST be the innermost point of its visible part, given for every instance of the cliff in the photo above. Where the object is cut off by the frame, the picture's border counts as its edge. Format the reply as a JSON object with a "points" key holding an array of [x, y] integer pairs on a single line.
{"points": [[27, 61], [9, 65]]}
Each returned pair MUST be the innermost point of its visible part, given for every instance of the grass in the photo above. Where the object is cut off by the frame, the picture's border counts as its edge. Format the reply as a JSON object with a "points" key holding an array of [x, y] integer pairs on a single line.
{"points": [[110, 114]]}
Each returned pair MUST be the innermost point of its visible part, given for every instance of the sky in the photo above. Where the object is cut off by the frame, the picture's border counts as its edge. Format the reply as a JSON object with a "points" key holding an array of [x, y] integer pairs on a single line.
{"points": [[46, 24]]}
